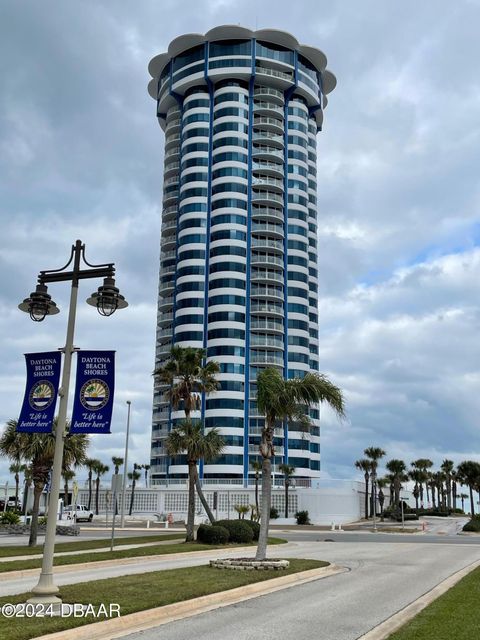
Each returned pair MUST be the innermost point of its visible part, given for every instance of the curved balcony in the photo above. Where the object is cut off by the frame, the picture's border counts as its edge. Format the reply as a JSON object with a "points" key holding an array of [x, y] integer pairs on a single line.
{"points": [[266, 357], [165, 334], [266, 308], [266, 197], [266, 152], [172, 141], [166, 288], [165, 271], [258, 340], [169, 167], [270, 94], [264, 324], [269, 168], [170, 213], [267, 212], [167, 255], [171, 180], [172, 126], [264, 259], [165, 304], [262, 291], [174, 152], [266, 243], [269, 138], [169, 199], [274, 125], [168, 241], [169, 226], [268, 182], [275, 230], [165, 318], [267, 109], [263, 275]]}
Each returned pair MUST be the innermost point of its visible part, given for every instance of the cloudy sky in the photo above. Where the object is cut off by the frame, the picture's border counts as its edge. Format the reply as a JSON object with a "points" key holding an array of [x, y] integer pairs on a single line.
{"points": [[399, 203]]}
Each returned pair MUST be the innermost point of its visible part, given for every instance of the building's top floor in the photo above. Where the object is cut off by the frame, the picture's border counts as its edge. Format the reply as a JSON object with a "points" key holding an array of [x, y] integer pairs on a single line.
{"points": [[268, 55]]}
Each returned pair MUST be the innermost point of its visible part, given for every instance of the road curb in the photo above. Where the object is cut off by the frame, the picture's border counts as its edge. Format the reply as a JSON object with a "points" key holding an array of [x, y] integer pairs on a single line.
{"points": [[143, 620], [392, 624]]}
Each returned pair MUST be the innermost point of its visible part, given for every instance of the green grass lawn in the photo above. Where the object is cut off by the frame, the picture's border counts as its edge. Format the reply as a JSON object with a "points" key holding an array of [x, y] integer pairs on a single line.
{"points": [[83, 545], [453, 616], [140, 592], [155, 550]]}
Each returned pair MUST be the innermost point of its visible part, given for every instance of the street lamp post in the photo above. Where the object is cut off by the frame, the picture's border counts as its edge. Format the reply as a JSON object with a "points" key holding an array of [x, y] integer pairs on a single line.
{"points": [[107, 300], [124, 483]]}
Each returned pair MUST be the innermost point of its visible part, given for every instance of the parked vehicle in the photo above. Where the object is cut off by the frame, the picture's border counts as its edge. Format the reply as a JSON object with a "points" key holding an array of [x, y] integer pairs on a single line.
{"points": [[82, 514], [11, 503]]}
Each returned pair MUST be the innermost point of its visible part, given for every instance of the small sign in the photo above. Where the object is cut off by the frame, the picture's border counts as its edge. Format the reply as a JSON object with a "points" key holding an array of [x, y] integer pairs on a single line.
{"points": [[93, 403], [43, 376]]}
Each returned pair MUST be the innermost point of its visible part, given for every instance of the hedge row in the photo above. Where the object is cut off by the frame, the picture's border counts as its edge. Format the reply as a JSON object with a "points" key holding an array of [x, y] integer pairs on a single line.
{"points": [[223, 531]]}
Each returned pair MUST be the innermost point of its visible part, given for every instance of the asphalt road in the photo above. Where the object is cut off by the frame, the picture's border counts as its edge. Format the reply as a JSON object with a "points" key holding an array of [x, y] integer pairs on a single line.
{"points": [[381, 580]]}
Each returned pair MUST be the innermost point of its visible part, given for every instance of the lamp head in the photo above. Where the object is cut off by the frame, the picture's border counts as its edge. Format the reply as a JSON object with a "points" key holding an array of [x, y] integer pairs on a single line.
{"points": [[107, 298], [39, 304]]}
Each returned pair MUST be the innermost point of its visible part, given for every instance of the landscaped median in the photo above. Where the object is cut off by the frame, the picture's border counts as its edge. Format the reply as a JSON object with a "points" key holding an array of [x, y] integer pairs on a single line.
{"points": [[160, 591], [138, 552]]}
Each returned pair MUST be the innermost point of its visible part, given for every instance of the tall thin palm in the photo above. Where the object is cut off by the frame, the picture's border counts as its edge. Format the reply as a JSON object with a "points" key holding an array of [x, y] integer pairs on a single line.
{"points": [[90, 463], [38, 450], [99, 469], [133, 476], [16, 468], [448, 467], [188, 438], [68, 474], [374, 454], [146, 468], [117, 463], [281, 400], [398, 470], [365, 466], [188, 376], [423, 464], [288, 470], [469, 474]]}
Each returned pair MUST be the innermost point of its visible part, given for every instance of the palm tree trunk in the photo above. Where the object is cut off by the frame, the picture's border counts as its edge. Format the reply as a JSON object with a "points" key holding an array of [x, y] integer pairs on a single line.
{"points": [[65, 493], [472, 509], [428, 499], [366, 496], [286, 497], [454, 495], [89, 490], [434, 504], [256, 491], [191, 502], [17, 484], [265, 512], [202, 497], [37, 492], [421, 495], [97, 492], [132, 496]]}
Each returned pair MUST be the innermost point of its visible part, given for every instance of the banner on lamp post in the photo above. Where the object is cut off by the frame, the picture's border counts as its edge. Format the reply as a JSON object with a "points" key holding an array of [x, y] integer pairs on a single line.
{"points": [[43, 376], [95, 383]]}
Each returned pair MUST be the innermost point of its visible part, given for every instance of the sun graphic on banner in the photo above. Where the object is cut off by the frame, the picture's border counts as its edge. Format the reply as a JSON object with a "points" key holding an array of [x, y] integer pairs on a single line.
{"points": [[41, 395], [94, 394]]}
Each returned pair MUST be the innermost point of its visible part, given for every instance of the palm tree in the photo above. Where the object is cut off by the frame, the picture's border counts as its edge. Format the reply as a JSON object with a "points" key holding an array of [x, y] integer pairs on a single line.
{"points": [[188, 437], [133, 476], [382, 483], [374, 454], [423, 464], [288, 470], [469, 474], [397, 468], [68, 474], [463, 497], [281, 400], [27, 482], [90, 463], [447, 467], [117, 463], [99, 469], [146, 468], [365, 466], [188, 376], [257, 467], [38, 450], [418, 477], [16, 468]]}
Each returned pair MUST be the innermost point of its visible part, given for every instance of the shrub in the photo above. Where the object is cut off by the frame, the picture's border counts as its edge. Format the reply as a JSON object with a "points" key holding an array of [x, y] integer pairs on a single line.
{"points": [[9, 517], [239, 530], [302, 517], [255, 527], [212, 534], [42, 520], [273, 513], [473, 524]]}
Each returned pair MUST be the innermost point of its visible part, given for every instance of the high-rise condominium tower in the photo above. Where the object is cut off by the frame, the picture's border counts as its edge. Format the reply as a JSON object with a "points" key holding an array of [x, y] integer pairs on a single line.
{"points": [[238, 265]]}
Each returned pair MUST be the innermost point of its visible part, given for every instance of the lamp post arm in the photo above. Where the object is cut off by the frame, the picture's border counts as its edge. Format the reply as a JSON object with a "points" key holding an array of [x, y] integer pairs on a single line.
{"points": [[46, 587]]}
